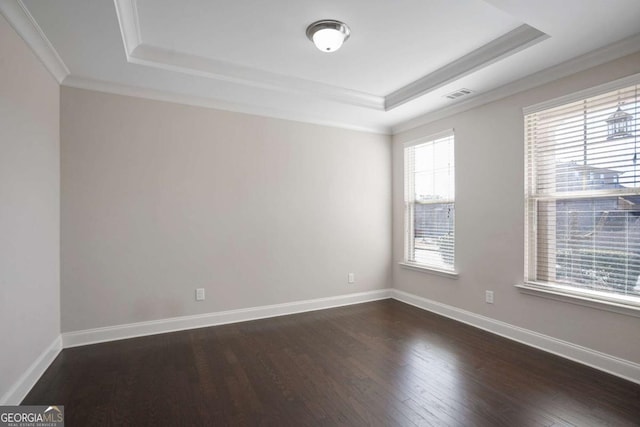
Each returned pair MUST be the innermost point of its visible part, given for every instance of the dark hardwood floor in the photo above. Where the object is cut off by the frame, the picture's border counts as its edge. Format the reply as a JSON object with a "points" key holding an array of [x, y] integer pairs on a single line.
{"points": [[380, 363]]}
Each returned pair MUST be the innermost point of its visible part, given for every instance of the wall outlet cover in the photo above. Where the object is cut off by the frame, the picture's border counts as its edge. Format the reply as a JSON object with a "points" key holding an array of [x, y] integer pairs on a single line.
{"points": [[488, 297]]}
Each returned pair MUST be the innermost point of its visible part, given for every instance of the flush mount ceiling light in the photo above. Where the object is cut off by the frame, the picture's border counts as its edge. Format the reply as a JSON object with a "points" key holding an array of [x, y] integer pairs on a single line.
{"points": [[328, 34]]}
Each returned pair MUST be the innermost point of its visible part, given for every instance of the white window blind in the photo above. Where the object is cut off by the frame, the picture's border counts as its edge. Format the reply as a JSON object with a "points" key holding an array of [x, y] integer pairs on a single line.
{"points": [[583, 197], [430, 202]]}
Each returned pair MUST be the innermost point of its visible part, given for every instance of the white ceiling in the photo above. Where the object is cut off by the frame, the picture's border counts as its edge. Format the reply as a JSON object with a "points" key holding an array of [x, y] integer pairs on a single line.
{"points": [[386, 51], [253, 56]]}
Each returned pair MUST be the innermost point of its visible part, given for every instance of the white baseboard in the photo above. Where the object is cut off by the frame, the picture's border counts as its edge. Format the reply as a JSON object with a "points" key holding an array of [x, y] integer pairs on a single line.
{"points": [[595, 359], [131, 330], [27, 380], [604, 362]]}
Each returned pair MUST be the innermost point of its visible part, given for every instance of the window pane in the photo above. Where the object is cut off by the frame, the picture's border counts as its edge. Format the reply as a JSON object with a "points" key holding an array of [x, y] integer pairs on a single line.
{"points": [[434, 235], [591, 244], [583, 195], [429, 203], [434, 174]]}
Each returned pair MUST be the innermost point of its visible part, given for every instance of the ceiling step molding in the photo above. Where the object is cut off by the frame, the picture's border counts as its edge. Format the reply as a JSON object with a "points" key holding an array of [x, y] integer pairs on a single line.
{"points": [[138, 52], [25, 25], [506, 45], [592, 59], [167, 60], [20, 18], [128, 20]]}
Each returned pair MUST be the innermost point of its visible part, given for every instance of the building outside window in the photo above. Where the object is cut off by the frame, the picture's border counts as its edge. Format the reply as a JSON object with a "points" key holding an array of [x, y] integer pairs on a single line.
{"points": [[583, 196], [430, 202]]}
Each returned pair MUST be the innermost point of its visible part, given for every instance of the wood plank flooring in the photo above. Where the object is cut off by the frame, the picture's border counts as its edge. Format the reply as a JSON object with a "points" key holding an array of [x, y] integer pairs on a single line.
{"points": [[379, 363]]}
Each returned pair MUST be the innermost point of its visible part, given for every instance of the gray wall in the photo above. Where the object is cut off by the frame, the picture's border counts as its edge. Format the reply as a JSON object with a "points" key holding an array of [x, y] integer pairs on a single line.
{"points": [[29, 208], [159, 199], [490, 223]]}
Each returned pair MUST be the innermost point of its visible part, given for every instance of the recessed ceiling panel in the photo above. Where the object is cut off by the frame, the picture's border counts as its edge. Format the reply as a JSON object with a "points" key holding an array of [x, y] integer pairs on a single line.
{"points": [[403, 57], [392, 42]]}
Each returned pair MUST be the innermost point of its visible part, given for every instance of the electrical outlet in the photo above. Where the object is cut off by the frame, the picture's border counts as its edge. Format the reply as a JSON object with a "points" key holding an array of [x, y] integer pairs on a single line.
{"points": [[352, 278], [488, 297], [200, 294]]}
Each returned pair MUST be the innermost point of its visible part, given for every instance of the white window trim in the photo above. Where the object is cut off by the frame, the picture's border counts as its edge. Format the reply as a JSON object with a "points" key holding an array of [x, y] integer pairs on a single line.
{"points": [[431, 270], [558, 292], [453, 273], [606, 303], [431, 137]]}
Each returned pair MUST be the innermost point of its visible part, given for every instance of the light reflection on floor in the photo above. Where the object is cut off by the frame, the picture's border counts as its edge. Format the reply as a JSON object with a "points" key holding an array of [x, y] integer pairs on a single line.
{"points": [[430, 381]]}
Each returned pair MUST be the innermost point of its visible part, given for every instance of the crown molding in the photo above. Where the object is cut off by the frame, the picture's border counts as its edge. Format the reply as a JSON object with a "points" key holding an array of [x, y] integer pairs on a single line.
{"points": [[592, 59], [161, 95], [138, 52], [26, 26], [506, 45], [128, 21], [164, 59]]}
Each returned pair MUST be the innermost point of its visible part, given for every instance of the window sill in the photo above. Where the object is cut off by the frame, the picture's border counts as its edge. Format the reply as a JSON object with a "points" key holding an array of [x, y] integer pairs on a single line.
{"points": [[431, 270], [584, 299]]}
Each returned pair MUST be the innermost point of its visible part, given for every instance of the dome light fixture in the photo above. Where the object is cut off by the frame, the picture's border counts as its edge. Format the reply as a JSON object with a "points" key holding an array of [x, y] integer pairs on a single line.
{"points": [[328, 34]]}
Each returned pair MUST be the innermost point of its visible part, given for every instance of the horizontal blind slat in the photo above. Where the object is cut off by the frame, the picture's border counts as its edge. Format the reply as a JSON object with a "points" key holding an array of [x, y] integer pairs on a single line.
{"points": [[583, 194], [430, 202]]}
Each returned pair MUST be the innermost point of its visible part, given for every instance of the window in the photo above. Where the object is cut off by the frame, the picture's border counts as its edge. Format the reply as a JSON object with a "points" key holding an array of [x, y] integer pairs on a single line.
{"points": [[429, 201], [583, 197]]}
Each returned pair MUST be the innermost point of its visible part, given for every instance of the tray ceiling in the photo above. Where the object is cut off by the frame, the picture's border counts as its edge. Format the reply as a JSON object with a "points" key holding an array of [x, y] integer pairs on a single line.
{"points": [[403, 56]]}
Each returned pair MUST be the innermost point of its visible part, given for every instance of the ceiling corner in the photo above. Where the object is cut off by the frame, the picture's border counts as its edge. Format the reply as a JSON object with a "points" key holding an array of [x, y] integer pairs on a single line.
{"points": [[25, 25]]}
